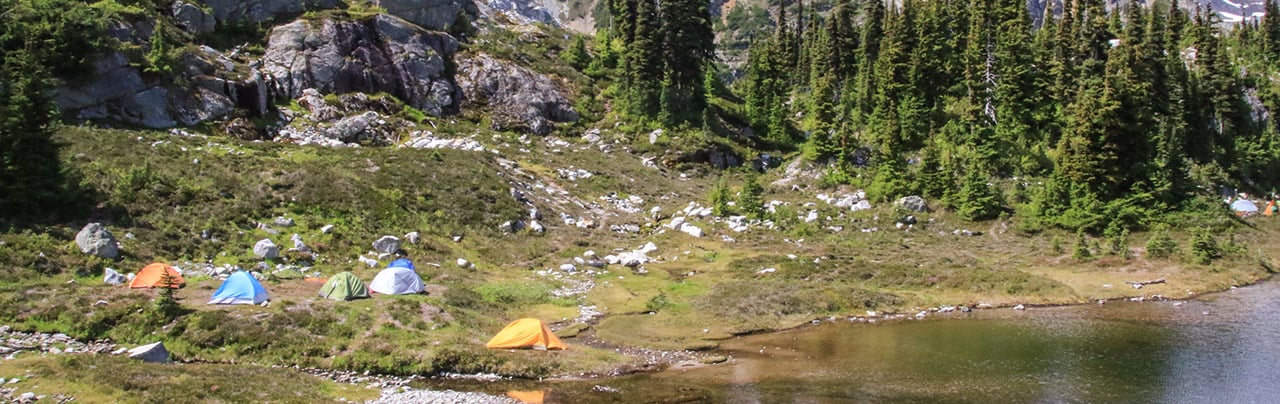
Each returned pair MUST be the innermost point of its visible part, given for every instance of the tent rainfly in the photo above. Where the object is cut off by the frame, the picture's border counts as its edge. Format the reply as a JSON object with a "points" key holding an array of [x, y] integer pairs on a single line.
{"points": [[526, 333], [344, 286], [240, 288]]}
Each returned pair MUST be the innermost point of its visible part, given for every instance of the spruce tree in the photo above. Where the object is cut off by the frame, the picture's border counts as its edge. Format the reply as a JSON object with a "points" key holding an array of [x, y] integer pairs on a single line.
{"points": [[30, 173]]}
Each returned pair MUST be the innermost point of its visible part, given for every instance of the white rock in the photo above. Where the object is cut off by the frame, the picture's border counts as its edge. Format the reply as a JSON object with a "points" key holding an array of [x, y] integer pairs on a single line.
{"points": [[568, 268], [463, 263], [537, 227], [111, 277], [691, 230], [153, 352], [328, 228], [368, 261], [413, 237], [675, 223], [265, 248], [648, 248], [611, 259], [589, 253], [1019, 307], [387, 244], [811, 217]]}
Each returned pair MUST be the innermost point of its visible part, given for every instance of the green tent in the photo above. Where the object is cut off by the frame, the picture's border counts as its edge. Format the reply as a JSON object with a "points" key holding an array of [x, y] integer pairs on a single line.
{"points": [[344, 286]]}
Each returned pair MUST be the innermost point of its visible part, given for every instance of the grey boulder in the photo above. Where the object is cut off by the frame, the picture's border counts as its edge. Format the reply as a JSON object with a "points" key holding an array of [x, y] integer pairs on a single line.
{"points": [[152, 353], [387, 244], [94, 239], [193, 18], [913, 203], [265, 248]]}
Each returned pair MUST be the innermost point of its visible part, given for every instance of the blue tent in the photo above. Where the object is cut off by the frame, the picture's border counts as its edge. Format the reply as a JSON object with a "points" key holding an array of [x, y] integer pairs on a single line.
{"points": [[401, 263], [240, 288]]}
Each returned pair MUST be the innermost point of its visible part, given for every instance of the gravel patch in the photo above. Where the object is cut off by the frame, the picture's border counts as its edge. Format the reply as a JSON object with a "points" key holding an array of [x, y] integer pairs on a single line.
{"points": [[399, 396]]}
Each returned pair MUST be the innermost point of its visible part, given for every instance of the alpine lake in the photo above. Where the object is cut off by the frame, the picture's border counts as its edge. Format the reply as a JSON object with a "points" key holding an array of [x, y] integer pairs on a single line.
{"points": [[1222, 348]]}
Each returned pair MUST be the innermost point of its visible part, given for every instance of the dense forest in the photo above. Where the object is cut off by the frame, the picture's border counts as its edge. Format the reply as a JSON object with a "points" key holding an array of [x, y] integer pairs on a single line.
{"points": [[1120, 114]]}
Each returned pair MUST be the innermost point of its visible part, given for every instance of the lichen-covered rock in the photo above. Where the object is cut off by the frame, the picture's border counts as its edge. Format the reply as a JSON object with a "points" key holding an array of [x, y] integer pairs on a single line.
{"points": [[383, 54], [192, 18], [430, 14], [228, 11], [94, 239], [519, 98]]}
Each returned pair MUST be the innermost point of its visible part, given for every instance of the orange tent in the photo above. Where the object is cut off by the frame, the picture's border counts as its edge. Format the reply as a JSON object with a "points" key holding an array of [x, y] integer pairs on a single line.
{"points": [[1271, 209], [152, 276], [526, 333]]}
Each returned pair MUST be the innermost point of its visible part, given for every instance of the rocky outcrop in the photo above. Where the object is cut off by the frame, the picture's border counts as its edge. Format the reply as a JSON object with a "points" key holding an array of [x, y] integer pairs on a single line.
{"points": [[192, 18], [353, 119], [117, 90], [430, 14], [231, 11], [518, 98], [382, 54]]}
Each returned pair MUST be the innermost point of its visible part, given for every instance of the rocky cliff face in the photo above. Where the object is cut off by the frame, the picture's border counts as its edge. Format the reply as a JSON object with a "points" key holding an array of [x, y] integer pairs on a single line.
{"points": [[384, 54], [518, 98]]}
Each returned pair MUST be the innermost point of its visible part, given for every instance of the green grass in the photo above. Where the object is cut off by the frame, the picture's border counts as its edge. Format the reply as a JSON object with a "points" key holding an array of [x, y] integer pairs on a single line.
{"points": [[101, 378], [700, 289]]}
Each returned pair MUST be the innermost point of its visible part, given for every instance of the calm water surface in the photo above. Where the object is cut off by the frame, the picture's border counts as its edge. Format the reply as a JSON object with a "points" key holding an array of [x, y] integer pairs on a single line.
{"points": [[1223, 348]]}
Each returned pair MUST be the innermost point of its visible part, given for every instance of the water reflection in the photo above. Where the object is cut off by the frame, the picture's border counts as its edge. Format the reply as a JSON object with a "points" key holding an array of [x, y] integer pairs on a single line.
{"points": [[1223, 350]]}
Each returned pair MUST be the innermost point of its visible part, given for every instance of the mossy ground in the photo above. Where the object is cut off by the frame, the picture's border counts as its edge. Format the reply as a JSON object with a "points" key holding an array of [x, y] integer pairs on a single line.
{"points": [[166, 190]]}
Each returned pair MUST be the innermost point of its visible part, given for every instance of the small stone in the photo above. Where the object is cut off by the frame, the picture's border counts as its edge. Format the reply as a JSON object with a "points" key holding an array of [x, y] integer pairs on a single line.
{"points": [[283, 222], [328, 228], [463, 263], [413, 237]]}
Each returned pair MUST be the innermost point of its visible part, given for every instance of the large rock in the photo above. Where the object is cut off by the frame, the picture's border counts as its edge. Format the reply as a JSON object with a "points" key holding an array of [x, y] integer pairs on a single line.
{"points": [[94, 239], [519, 98], [430, 14], [383, 54], [113, 78], [387, 244], [265, 248], [913, 203], [193, 18], [229, 11], [153, 353]]}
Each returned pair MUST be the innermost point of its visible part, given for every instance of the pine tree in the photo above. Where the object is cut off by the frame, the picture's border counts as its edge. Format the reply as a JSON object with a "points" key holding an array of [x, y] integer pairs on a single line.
{"points": [[751, 198], [1271, 31], [577, 55], [687, 51], [30, 173]]}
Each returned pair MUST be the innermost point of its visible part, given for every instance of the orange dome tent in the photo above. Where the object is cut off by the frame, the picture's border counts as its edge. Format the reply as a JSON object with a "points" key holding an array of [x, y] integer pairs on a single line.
{"points": [[526, 333], [152, 276]]}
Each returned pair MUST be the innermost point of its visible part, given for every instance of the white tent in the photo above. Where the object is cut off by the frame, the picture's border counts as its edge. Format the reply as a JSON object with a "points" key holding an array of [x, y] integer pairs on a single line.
{"points": [[396, 281], [1244, 206]]}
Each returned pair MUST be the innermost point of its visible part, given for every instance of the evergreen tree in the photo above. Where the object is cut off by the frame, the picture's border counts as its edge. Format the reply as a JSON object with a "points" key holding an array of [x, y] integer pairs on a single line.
{"points": [[1271, 31], [30, 173], [577, 55], [688, 49], [751, 198]]}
